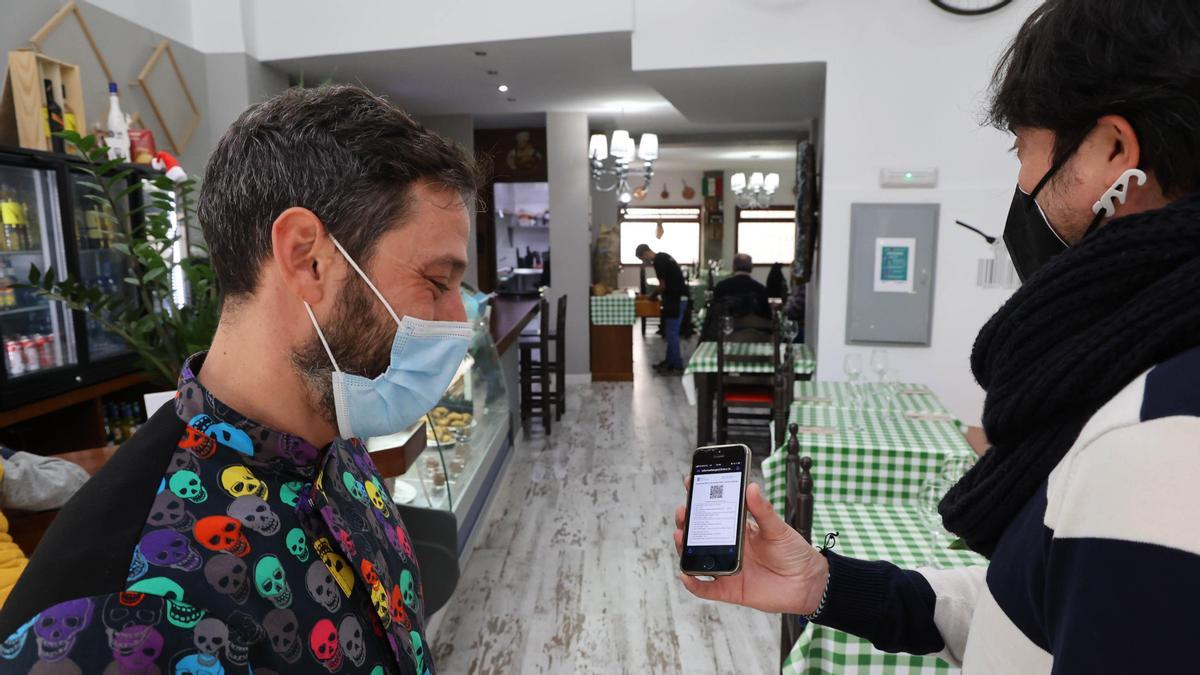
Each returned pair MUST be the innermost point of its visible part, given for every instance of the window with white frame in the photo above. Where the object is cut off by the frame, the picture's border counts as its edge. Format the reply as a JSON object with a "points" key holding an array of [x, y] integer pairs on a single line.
{"points": [[680, 233], [768, 236]]}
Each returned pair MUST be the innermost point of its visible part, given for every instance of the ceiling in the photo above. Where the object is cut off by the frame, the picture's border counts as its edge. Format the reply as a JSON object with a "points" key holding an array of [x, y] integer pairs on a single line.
{"points": [[727, 154], [587, 73]]}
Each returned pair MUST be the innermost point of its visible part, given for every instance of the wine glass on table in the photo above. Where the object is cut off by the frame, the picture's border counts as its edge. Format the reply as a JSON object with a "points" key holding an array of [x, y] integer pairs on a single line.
{"points": [[852, 366]]}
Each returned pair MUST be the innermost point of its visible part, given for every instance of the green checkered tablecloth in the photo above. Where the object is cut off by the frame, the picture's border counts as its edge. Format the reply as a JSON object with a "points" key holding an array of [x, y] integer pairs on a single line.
{"points": [[616, 309], [892, 532], [901, 396], [885, 460], [704, 359]]}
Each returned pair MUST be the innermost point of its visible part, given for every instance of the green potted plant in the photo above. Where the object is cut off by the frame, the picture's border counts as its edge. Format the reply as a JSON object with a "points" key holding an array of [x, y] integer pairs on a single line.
{"points": [[147, 317]]}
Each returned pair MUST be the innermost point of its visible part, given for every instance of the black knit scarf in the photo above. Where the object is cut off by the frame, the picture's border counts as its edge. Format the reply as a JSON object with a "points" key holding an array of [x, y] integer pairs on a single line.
{"points": [[1075, 334]]}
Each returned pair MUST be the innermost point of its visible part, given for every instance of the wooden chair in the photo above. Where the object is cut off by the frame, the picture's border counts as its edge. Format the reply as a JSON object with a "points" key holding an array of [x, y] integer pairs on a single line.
{"points": [[537, 372], [798, 513], [755, 392], [559, 364]]}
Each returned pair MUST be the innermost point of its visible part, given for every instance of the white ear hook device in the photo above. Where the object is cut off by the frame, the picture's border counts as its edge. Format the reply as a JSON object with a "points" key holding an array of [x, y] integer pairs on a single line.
{"points": [[1118, 192]]}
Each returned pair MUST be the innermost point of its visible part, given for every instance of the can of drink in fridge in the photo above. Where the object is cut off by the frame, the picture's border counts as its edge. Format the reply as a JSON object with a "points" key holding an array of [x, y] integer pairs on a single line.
{"points": [[14, 357], [30, 354], [45, 350]]}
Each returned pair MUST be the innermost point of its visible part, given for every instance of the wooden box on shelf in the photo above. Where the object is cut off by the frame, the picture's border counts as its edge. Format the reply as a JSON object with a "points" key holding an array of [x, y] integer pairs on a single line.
{"points": [[23, 104]]}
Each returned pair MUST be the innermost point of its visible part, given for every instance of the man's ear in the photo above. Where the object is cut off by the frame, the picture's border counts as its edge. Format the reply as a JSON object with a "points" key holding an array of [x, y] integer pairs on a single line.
{"points": [[304, 254], [1124, 150]]}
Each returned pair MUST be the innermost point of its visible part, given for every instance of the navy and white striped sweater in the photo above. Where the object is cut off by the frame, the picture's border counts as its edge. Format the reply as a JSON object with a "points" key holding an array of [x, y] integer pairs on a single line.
{"points": [[1100, 572]]}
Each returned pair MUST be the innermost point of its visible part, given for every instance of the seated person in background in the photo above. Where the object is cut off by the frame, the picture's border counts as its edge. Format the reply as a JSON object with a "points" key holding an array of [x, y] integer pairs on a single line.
{"points": [[30, 482], [742, 294]]}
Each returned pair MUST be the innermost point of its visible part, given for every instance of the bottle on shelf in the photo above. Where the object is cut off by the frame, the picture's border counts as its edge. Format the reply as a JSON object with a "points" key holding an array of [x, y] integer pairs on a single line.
{"points": [[117, 138], [10, 215], [54, 119], [70, 122], [8, 293]]}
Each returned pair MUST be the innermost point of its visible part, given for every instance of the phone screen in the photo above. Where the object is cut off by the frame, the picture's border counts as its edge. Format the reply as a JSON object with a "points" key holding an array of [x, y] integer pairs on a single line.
{"points": [[715, 504]]}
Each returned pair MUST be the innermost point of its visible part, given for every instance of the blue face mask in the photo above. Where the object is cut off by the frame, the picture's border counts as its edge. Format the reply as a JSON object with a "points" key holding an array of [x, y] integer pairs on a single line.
{"points": [[425, 356]]}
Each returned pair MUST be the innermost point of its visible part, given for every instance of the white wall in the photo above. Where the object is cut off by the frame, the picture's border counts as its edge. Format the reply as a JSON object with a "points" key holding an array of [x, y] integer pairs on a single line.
{"points": [[905, 86], [284, 29], [570, 233]]}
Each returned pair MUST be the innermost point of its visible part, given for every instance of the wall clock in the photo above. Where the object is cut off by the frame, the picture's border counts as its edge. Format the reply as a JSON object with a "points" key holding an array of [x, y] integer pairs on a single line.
{"points": [[971, 7]]}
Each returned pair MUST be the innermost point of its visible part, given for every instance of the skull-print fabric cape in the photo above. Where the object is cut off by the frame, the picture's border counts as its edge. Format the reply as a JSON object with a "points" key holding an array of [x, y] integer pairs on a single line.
{"points": [[211, 544]]}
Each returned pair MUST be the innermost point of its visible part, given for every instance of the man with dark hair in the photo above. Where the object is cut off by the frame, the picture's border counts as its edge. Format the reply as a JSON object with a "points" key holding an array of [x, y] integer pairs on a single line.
{"points": [[245, 527], [1086, 503], [741, 294], [672, 291]]}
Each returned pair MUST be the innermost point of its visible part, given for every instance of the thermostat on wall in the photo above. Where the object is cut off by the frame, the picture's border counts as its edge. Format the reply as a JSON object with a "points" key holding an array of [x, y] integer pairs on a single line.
{"points": [[908, 178]]}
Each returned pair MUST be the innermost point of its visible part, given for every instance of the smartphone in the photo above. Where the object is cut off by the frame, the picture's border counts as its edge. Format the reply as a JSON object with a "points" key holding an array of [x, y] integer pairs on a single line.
{"points": [[716, 511]]}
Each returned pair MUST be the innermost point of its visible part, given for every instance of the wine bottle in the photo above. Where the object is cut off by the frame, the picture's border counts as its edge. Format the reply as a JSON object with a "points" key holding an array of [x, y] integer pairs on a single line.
{"points": [[117, 138], [54, 117]]}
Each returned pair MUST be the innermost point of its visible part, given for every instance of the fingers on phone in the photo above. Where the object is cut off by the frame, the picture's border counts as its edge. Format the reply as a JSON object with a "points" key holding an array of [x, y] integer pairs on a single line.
{"points": [[687, 482], [708, 590], [680, 514], [679, 542]]}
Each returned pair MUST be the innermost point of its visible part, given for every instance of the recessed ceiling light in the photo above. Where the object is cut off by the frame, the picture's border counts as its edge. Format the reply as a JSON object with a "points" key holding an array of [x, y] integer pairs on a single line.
{"points": [[493, 72], [512, 99], [502, 88], [480, 53]]}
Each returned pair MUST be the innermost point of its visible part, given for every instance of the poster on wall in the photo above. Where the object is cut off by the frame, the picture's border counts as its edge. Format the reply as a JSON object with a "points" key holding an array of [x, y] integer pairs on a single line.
{"points": [[894, 264], [514, 155]]}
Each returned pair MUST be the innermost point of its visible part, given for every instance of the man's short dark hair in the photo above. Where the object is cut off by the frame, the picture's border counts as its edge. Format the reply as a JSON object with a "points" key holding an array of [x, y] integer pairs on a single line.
{"points": [[1075, 61], [641, 250], [743, 263], [341, 152]]}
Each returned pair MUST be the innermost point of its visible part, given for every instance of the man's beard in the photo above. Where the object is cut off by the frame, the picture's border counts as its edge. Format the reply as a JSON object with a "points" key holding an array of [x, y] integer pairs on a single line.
{"points": [[361, 341]]}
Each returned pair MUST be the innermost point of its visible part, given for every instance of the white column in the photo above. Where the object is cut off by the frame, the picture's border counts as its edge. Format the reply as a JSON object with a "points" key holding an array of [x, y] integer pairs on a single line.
{"points": [[570, 233]]}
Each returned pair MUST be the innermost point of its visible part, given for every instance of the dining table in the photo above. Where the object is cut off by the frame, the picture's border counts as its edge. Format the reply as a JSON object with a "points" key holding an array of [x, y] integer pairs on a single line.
{"points": [[749, 358]]}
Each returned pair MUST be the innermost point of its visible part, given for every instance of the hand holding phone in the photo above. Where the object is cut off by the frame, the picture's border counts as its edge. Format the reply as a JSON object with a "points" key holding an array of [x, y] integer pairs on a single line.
{"points": [[716, 511], [780, 572]]}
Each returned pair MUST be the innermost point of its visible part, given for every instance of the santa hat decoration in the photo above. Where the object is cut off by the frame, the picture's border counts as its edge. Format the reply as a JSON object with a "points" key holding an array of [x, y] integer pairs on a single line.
{"points": [[166, 162]]}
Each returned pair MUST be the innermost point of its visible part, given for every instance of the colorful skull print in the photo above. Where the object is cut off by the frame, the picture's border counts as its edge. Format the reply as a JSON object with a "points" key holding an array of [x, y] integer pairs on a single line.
{"points": [[198, 443], [58, 626], [405, 541], [418, 651], [323, 641], [396, 609], [222, 533], [368, 572], [297, 544], [14, 644], [136, 648], [253, 512], [231, 436], [354, 487], [283, 633], [169, 510], [179, 613], [289, 492], [337, 565], [350, 634], [168, 548], [379, 599], [377, 670], [244, 632], [138, 567], [227, 574], [123, 610], [271, 583], [186, 485], [378, 497], [386, 526], [199, 664], [297, 449], [321, 586], [210, 636], [238, 481], [409, 588], [181, 460]]}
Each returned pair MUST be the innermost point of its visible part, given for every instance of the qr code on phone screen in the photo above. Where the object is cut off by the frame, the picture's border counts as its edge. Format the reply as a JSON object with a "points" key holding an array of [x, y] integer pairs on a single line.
{"points": [[716, 492]]}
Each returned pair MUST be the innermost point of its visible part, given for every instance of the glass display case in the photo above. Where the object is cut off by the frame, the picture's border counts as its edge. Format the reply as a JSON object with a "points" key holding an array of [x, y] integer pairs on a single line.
{"points": [[47, 219], [467, 434]]}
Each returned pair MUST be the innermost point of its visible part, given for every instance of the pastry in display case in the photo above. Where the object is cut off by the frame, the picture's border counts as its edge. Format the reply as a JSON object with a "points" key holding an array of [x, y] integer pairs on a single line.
{"points": [[467, 433]]}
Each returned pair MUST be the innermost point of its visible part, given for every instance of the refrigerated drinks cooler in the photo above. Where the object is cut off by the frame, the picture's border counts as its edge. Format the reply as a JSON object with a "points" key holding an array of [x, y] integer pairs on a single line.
{"points": [[46, 220]]}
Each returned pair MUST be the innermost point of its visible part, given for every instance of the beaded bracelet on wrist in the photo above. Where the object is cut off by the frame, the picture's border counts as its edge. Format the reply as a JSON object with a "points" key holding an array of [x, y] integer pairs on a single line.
{"points": [[830, 541]]}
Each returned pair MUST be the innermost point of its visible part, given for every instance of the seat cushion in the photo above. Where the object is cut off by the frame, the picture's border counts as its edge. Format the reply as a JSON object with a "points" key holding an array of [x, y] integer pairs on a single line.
{"points": [[749, 395]]}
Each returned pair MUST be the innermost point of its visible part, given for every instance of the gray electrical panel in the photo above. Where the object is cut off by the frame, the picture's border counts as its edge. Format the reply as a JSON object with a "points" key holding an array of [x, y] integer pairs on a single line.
{"points": [[893, 255]]}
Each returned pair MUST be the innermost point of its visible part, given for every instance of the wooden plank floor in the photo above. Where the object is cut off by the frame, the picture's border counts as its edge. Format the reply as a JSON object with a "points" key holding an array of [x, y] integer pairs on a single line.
{"points": [[574, 569]]}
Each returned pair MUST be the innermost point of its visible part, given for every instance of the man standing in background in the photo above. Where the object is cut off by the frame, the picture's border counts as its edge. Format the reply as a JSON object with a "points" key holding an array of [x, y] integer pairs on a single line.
{"points": [[672, 292]]}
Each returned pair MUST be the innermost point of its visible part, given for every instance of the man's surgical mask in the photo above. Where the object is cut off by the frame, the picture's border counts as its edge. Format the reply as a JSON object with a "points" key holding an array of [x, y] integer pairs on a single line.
{"points": [[424, 357], [1028, 234]]}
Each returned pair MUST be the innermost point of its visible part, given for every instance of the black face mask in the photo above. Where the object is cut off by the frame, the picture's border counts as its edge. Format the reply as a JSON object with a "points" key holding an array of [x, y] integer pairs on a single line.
{"points": [[1030, 239]]}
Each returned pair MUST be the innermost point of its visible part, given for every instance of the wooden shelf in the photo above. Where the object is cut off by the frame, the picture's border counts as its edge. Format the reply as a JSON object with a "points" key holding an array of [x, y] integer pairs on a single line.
{"points": [[73, 397]]}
